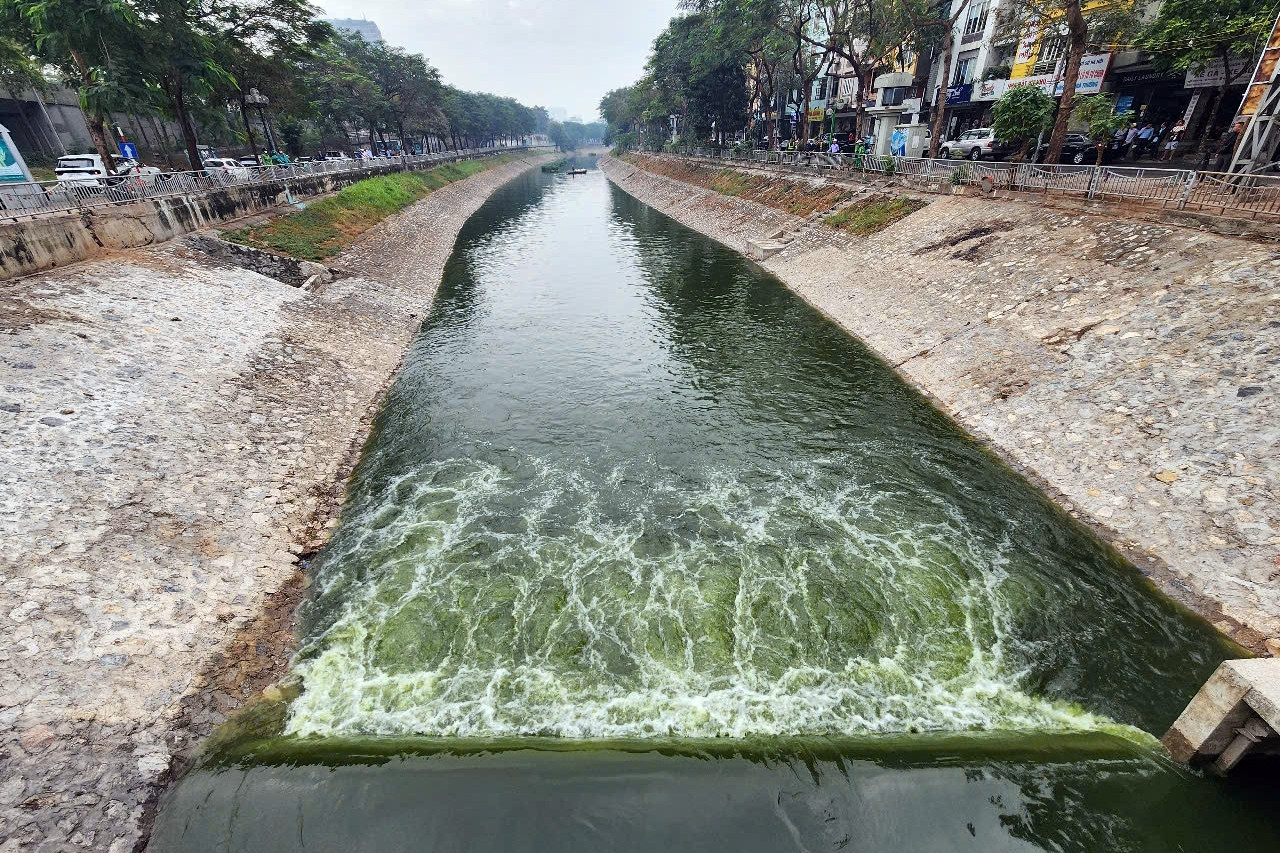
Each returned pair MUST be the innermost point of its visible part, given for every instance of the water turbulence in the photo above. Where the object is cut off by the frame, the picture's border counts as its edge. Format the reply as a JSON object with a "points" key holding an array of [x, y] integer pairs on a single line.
{"points": [[629, 489]]}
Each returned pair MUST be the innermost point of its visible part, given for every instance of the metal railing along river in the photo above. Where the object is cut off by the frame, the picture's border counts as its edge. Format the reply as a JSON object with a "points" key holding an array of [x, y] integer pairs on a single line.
{"points": [[35, 198], [1252, 196]]}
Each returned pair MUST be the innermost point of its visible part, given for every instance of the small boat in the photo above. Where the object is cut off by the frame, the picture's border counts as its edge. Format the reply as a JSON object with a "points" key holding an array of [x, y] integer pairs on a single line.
{"points": [[577, 171]]}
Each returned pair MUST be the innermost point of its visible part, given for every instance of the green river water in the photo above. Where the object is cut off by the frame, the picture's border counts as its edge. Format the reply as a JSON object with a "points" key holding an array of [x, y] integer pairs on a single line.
{"points": [[645, 554]]}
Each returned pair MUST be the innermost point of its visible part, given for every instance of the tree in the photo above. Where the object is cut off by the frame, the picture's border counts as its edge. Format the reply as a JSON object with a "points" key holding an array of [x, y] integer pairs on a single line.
{"points": [[1103, 24], [1099, 113], [89, 42], [1022, 114], [867, 34], [1193, 34], [929, 15]]}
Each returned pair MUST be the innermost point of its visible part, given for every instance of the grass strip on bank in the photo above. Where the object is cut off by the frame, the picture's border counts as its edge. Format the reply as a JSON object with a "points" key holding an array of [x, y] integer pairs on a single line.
{"points": [[874, 214], [326, 227]]}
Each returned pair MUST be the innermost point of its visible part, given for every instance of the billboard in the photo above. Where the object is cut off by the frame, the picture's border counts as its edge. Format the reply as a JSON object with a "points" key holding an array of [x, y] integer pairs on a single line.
{"points": [[12, 168]]}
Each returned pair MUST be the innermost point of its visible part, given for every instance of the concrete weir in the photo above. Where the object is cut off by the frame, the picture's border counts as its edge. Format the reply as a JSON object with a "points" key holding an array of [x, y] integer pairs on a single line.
{"points": [[1235, 714]]}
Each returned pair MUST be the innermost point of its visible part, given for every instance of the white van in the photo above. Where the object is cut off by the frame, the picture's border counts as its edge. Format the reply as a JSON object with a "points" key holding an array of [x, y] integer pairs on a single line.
{"points": [[87, 170]]}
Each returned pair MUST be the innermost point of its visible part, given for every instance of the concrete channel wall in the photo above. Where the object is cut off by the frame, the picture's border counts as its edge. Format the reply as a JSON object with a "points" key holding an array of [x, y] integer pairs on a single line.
{"points": [[1128, 367], [54, 240], [176, 432]]}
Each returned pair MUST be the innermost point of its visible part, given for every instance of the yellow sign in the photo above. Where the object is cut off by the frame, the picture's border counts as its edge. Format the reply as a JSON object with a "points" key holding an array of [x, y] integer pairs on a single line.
{"points": [[817, 114]]}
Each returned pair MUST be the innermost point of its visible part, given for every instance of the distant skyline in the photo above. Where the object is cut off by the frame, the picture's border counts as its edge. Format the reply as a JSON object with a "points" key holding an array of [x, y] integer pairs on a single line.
{"points": [[552, 53]]}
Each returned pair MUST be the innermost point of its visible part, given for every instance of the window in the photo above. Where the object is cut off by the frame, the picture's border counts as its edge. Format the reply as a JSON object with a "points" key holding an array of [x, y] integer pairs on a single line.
{"points": [[1051, 50], [821, 93], [966, 66], [976, 22], [893, 96]]}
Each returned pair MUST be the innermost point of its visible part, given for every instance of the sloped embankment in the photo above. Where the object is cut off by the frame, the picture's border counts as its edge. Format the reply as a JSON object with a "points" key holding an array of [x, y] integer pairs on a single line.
{"points": [[1128, 367], [326, 227], [797, 196]]}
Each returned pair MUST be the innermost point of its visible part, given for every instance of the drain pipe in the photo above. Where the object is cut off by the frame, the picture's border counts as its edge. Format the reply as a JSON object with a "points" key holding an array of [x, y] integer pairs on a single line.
{"points": [[1235, 714]]}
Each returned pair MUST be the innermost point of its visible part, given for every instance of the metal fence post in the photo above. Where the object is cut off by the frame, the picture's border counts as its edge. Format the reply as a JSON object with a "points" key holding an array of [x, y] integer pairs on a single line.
{"points": [[1186, 192]]}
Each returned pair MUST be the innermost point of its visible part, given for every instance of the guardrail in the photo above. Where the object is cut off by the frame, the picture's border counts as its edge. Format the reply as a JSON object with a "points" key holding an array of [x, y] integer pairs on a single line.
{"points": [[37, 198], [1223, 193]]}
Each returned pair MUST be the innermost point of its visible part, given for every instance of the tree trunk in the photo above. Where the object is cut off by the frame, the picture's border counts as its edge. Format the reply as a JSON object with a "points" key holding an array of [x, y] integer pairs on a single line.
{"points": [[248, 129], [1078, 31], [939, 123], [173, 89], [96, 122]]}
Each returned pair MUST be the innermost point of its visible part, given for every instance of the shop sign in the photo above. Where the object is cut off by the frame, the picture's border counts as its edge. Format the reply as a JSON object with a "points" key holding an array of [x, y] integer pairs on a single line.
{"points": [[1191, 107], [1212, 75], [1149, 75], [1093, 70], [1027, 47], [959, 94], [1044, 81], [1124, 104], [989, 90], [817, 114]]}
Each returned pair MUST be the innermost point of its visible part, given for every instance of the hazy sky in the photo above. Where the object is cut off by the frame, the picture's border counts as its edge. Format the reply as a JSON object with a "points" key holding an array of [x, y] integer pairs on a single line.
{"points": [[554, 53]]}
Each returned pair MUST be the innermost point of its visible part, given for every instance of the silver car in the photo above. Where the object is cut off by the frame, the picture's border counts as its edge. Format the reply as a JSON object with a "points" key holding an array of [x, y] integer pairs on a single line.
{"points": [[977, 144]]}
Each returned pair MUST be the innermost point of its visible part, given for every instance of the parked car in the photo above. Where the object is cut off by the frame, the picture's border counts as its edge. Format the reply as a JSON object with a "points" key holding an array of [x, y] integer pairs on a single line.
{"points": [[87, 170], [977, 144], [336, 155], [249, 161], [1079, 150], [225, 170]]}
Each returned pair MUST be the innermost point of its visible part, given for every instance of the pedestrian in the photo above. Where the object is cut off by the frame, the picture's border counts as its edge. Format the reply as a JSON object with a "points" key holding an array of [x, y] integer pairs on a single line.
{"points": [[1169, 149], [1227, 146], [835, 147], [1144, 140], [1130, 135]]}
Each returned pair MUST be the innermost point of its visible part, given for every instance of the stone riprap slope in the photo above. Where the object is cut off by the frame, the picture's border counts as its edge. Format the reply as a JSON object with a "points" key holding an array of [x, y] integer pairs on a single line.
{"points": [[1130, 368], [174, 433]]}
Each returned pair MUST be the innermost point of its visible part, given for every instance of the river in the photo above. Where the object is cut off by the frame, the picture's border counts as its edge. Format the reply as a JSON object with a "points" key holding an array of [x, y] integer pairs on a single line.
{"points": [[644, 553]]}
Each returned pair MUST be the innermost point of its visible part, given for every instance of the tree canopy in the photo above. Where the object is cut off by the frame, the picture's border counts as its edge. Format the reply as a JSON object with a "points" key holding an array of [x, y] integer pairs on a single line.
{"points": [[196, 61]]}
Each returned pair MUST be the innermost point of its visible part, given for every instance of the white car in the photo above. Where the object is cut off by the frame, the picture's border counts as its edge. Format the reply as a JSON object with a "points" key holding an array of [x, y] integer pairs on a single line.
{"points": [[87, 170], [225, 170]]}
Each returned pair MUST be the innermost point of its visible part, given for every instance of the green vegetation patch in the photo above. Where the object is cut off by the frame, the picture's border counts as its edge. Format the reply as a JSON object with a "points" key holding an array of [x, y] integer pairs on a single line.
{"points": [[326, 227], [876, 214]]}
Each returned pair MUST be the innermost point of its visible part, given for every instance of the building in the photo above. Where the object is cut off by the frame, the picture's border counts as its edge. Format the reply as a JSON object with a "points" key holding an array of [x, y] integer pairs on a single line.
{"points": [[367, 30], [986, 63]]}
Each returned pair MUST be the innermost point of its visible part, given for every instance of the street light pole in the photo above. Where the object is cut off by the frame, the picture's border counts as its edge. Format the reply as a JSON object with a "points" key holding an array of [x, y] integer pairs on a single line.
{"points": [[260, 101]]}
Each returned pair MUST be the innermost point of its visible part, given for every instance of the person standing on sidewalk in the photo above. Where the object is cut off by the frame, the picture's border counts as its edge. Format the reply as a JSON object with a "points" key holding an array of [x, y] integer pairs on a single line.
{"points": [[1227, 146], [1169, 149]]}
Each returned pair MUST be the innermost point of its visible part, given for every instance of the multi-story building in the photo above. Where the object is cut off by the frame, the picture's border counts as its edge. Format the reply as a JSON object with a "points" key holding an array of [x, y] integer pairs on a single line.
{"points": [[987, 60]]}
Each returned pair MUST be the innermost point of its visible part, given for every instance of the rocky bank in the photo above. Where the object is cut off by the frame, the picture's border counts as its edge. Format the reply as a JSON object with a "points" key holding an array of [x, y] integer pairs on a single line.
{"points": [[1128, 367], [175, 433]]}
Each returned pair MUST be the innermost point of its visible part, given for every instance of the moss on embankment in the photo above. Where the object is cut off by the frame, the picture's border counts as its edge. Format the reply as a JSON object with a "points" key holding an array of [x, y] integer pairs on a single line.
{"points": [[799, 197], [326, 227], [868, 216]]}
